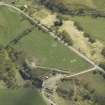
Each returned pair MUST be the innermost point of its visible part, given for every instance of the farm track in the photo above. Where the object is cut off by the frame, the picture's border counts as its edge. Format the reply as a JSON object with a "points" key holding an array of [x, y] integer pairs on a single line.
{"points": [[80, 73], [96, 67]]}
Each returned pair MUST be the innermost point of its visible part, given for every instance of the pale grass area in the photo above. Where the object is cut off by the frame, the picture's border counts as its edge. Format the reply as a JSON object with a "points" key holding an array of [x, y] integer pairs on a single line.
{"points": [[40, 14], [49, 20], [45, 17], [77, 36], [92, 51]]}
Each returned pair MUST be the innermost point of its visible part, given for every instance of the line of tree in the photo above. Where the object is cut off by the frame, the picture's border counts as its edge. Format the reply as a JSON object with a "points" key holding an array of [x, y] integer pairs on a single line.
{"points": [[71, 10], [64, 36], [91, 39], [19, 37]]}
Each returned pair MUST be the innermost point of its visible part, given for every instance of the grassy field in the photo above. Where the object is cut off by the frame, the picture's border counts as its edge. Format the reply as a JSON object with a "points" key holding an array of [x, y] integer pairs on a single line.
{"points": [[11, 24], [48, 52], [94, 26], [21, 97]]}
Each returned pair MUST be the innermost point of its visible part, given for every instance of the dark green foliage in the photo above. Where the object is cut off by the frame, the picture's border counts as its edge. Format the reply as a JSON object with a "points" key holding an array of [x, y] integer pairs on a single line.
{"points": [[64, 93], [78, 26], [103, 52], [102, 64], [66, 38], [7, 70]]}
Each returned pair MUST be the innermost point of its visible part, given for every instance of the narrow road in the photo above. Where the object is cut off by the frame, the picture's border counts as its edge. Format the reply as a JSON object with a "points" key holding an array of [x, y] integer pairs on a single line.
{"points": [[48, 101], [50, 84]]}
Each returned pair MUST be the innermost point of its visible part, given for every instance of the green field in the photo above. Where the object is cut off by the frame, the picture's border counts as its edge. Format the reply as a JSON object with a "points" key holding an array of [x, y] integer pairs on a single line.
{"points": [[48, 52], [11, 24], [94, 26], [21, 97]]}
